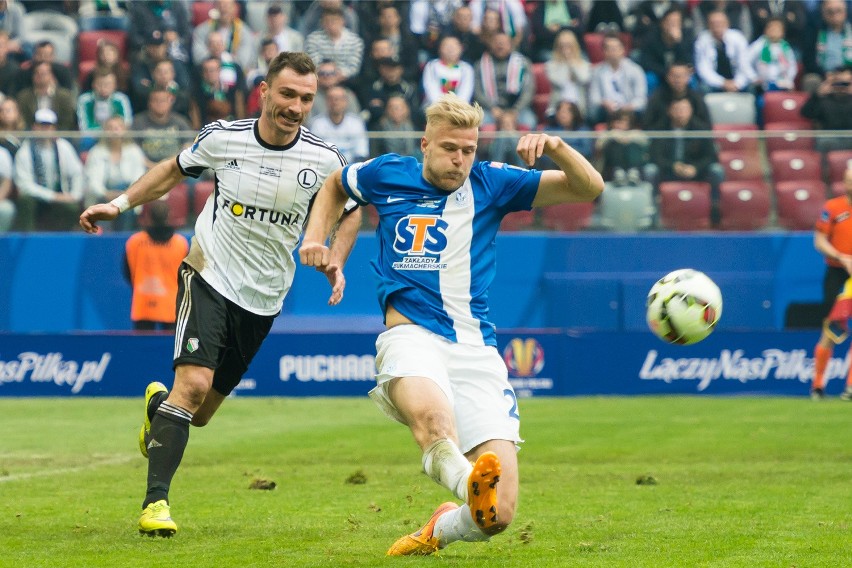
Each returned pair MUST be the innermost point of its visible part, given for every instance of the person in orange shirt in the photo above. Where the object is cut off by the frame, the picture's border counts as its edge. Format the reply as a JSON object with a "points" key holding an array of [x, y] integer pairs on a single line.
{"points": [[833, 238], [153, 257]]}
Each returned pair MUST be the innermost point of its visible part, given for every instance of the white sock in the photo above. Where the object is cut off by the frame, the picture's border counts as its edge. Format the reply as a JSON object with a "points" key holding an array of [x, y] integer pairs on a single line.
{"points": [[447, 466], [457, 525]]}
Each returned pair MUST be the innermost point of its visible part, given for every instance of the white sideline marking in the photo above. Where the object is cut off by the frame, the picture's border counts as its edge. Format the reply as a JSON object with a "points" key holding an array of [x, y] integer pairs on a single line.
{"points": [[115, 460]]}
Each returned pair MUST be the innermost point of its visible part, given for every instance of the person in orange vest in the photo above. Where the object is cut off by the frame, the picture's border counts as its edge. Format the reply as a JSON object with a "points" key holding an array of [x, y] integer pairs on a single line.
{"points": [[153, 257]]}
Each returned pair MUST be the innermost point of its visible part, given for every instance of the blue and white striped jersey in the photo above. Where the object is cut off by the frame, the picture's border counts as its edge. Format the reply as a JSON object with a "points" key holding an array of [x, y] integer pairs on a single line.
{"points": [[437, 254], [246, 233]]}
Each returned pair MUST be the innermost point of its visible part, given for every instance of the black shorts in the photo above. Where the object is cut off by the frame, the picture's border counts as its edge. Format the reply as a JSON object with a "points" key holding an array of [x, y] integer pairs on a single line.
{"points": [[832, 283], [214, 332]]}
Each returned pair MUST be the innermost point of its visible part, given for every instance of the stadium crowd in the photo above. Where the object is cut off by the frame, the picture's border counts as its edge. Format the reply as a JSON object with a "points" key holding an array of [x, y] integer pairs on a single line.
{"points": [[636, 85]]}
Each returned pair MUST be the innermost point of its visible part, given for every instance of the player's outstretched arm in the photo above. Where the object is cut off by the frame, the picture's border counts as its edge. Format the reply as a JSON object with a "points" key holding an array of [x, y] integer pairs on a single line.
{"points": [[340, 244], [326, 210], [158, 181], [575, 181]]}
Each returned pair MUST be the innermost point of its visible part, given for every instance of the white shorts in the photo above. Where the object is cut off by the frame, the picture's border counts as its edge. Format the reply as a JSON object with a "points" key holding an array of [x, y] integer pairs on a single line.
{"points": [[473, 377]]}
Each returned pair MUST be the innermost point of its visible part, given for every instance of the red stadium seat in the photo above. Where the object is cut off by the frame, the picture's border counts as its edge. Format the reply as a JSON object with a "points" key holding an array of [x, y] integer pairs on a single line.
{"points": [[540, 105], [730, 137], [201, 11], [87, 43], [178, 200], [741, 166], [685, 205], [744, 205], [542, 83], [202, 191], [838, 188], [783, 106], [795, 165], [567, 216], [838, 162], [789, 141], [518, 221], [799, 203], [593, 41]]}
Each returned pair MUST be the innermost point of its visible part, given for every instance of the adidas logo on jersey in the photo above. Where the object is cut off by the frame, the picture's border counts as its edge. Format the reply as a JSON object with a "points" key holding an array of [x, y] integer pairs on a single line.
{"points": [[232, 165]]}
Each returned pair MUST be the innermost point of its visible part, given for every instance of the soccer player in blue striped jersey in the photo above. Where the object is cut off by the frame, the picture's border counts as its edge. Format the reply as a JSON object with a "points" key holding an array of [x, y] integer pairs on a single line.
{"points": [[240, 263], [439, 371]]}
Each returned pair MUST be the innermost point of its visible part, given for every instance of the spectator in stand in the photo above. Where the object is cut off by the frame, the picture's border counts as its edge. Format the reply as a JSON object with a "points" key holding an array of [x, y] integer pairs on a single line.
{"points": [[268, 51], [791, 12], [142, 70], [336, 43], [278, 29], [568, 71], [605, 16], [9, 68], [403, 44], [311, 19], [448, 74], [462, 28], [649, 13], [617, 83], [686, 159], [45, 52], [827, 47], [95, 15], [622, 148], [397, 120], [212, 99], [50, 180], [112, 165], [737, 13], [548, 20], [380, 48], [676, 86], [513, 18], [492, 24], [504, 88], [7, 206], [45, 93], [145, 18], [773, 59], [108, 56], [665, 44], [152, 260], [505, 85], [430, 20], [830, 107], [721, 56], [11, 23], [567, 118], [163, 77], [328, 77], [160, 117], [390, 82], [369, 14], [11, 123], [348, 130], [103, 102], [237, 35], [231, 73]]}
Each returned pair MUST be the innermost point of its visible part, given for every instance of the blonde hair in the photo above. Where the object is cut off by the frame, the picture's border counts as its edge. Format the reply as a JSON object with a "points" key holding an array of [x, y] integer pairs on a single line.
{"points": [[450, 110]]}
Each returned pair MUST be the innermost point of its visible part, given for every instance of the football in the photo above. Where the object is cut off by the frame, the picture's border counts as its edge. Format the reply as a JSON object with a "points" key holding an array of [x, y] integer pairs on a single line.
{"points": [[683, 307]]}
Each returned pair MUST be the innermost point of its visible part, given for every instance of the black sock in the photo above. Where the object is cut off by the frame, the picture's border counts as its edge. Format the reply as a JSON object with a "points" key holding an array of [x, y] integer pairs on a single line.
{"points": [[155, 402], [169, 436]]}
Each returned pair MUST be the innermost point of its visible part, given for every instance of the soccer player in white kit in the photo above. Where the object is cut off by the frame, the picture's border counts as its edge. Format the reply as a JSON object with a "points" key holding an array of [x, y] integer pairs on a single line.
{"points": [[439, 371], [240, 264]]}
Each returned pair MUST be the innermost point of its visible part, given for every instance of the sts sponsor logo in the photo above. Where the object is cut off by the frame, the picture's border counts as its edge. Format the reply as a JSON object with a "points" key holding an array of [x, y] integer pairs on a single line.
{"points": [[418, 237]]}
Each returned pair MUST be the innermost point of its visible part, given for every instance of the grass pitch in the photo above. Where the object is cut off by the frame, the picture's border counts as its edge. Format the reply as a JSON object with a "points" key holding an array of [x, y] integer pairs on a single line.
{"points": [[657, 482]]}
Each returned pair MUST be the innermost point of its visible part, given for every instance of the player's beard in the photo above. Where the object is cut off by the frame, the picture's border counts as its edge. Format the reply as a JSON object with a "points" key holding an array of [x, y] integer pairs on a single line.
{"points": [[443, 181]]}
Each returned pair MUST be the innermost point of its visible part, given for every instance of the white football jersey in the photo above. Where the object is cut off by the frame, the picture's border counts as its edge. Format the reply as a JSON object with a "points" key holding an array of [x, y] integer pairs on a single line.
{"points": [[246, 233]]}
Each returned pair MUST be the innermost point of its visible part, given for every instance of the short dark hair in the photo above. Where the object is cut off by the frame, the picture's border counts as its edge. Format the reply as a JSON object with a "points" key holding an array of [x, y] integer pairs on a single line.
{"points": [[298, 61]]}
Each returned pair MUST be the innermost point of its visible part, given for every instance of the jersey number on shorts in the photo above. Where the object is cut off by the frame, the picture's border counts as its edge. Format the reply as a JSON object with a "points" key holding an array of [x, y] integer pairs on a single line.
{"points": [[510, 394]]}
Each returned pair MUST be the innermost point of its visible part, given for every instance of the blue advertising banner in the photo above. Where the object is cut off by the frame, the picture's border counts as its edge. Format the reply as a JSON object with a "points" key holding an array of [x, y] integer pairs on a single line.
{"points": [[540, 363]]}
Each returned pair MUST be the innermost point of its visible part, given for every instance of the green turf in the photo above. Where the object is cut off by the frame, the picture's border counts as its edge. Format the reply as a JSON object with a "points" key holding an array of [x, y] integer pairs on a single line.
{"points": [[739, 482]]}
